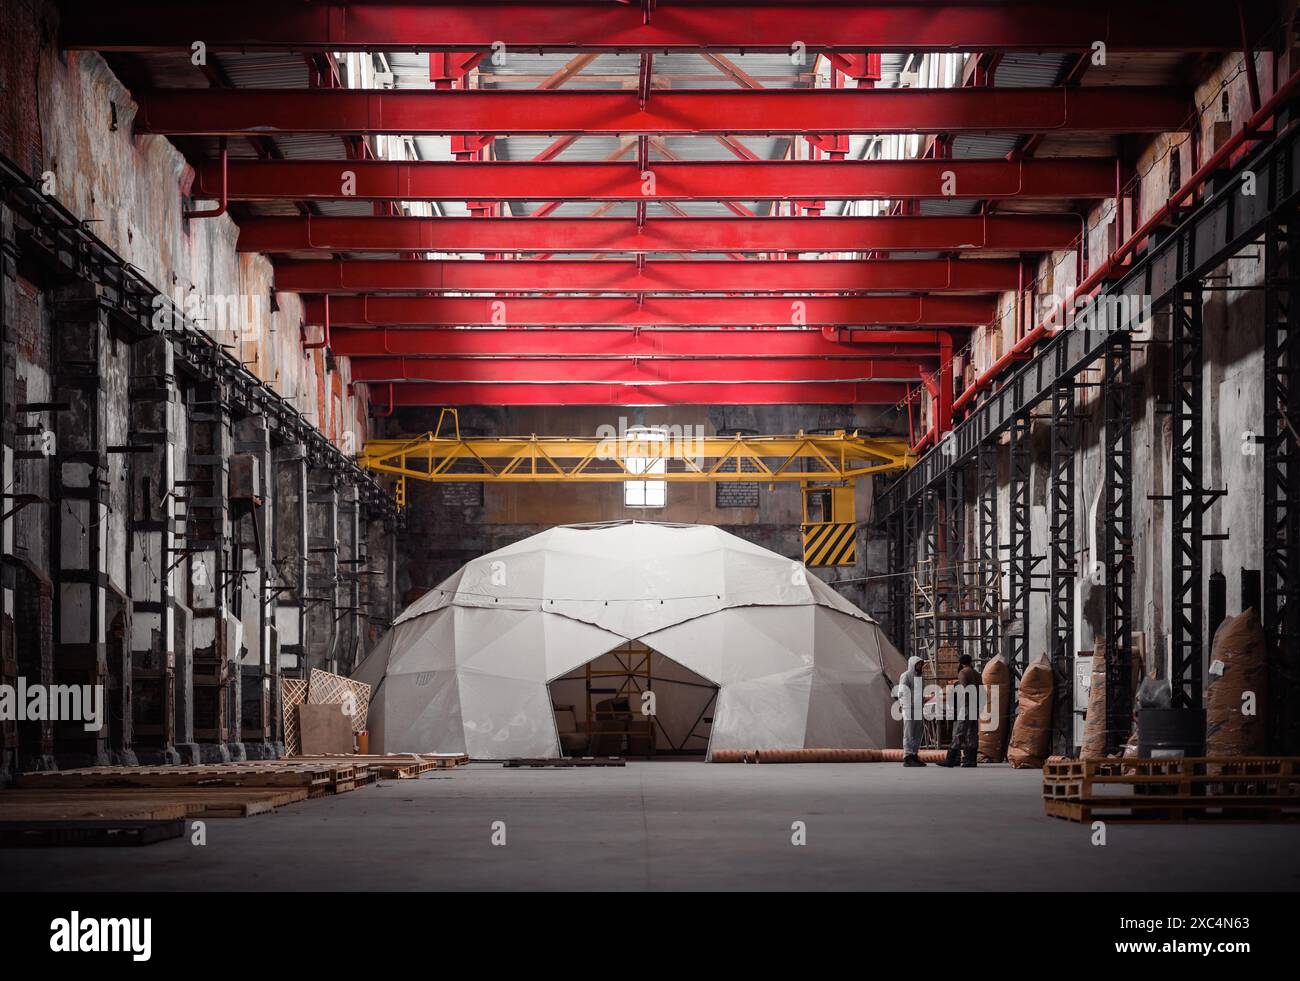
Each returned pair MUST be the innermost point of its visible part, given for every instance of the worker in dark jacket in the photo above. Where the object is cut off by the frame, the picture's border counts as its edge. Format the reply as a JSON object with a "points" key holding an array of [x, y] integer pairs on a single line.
{"points": [[965, 725]]}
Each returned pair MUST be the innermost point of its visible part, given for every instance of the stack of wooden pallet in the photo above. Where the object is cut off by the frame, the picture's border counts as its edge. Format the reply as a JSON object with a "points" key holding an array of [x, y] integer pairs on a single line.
{"points": [[1173, 789], [143, 804], [317, 779], [394, 766]]}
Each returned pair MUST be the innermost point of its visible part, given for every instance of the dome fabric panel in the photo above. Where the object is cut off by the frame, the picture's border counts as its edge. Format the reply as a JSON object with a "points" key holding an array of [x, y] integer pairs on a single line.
{"points": [[466, 667]]}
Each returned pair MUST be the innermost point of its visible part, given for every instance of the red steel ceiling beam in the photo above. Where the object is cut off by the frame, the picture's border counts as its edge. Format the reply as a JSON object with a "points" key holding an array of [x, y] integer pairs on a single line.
{"points": [[593, 371], [1045, 25], [1001, 233], [224, 112], [663, 276], [613, 344], [720, 180], [655, 311], [675, 393]]}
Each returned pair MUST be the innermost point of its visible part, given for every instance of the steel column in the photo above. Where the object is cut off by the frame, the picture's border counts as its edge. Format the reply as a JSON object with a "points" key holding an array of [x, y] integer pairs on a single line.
{"points": [[1020, 543], [1187, 501], [925, 607], [911, 552], [1117, 545], [898, 573], [989, 567], [1061, 497], [951, 569], [1282, 480]]}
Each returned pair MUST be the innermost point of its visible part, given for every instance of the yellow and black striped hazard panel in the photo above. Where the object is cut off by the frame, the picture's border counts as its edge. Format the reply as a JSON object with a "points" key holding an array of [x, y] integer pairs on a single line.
{"points": [[833, 543]]}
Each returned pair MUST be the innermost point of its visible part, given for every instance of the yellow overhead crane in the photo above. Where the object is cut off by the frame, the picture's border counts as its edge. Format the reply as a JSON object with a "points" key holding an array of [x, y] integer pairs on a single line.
{"points": [[827, 465]]}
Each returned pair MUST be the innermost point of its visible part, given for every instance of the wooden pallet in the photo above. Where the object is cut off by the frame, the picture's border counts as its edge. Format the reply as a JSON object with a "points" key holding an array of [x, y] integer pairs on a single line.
{"points": [[1145, 811], [1277, 776], [38, 805], [342, 776], [564, 762], [142, 803], [445, 761], [1173, 789], [397, 766], [320, 777], [29, 834]]}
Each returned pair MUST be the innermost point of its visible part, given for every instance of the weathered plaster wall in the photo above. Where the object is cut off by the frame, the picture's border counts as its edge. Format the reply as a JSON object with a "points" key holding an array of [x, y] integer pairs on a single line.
{"points": [[67, 115], [85, 581]]}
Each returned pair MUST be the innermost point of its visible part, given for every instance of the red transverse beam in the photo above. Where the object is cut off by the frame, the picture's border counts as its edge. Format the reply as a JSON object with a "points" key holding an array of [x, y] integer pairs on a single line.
{"points": [[261, 112], [615, 344], [561, 371], [1046, 25], [715, 180], [663, 276], [673, 393], [664, 311], [1002, 233]]}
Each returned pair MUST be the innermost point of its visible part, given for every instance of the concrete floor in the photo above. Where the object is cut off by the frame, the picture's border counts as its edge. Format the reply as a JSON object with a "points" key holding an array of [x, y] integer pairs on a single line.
{"points": [[681, 825]]}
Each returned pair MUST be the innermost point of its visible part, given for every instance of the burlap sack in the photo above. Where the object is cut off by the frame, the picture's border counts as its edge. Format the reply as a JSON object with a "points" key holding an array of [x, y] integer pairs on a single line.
{"points": [[1239, 647], [997, 689], [1094, 722], [1031, 735]]}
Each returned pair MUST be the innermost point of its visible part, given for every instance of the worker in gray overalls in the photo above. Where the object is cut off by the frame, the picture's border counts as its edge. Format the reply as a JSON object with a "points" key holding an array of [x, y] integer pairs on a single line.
{"points": [[909, 694]]}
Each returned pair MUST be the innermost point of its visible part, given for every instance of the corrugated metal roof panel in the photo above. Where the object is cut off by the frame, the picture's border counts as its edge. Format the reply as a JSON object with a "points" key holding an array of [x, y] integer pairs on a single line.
{"points": [[1029, 70], [950, 206], [971, 145], [266, 70]]}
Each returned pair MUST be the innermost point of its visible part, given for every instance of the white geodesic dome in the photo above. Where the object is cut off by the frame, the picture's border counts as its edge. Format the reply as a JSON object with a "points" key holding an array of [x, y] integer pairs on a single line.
{"points": [[465, 668]]}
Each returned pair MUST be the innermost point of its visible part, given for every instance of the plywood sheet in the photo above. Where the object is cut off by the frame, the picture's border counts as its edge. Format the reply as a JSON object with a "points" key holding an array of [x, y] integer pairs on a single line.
{"points": [[324, 729]]}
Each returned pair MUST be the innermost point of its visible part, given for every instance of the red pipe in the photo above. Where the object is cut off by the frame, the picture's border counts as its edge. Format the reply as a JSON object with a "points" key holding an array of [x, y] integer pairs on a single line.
{"points": [[922, 442], [220, 209], [1106, 269], [325, 339], [941, 394]]}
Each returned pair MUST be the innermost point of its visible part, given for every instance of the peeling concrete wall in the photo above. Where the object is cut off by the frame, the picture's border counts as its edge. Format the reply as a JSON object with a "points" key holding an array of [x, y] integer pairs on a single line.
{"points": [[135, 533], [66, 115]]}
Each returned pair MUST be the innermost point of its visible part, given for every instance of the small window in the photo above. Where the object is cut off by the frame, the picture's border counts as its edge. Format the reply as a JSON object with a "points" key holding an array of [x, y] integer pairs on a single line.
{"points": [[645, 493]]}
